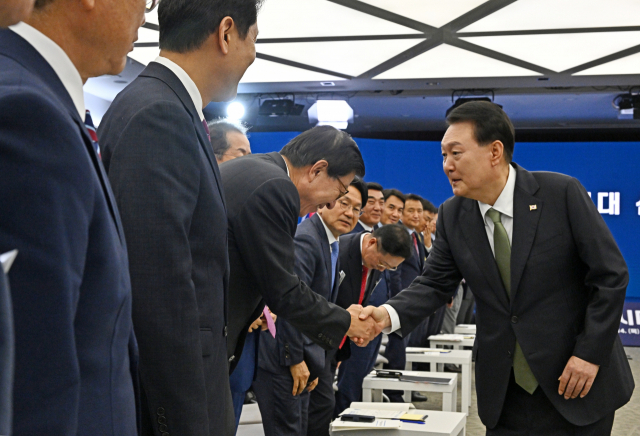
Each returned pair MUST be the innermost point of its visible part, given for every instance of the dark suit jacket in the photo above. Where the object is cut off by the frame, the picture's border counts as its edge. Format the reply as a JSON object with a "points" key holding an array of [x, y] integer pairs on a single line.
{"points": [[313, 267], [359, 229], [568, 283], [70, 284], [350, 260], [263, 207], [7, 355], [166, 181]]}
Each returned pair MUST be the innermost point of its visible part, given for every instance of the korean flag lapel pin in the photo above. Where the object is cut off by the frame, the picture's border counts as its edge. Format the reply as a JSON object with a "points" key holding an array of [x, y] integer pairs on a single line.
{"points": [[533, 207]]}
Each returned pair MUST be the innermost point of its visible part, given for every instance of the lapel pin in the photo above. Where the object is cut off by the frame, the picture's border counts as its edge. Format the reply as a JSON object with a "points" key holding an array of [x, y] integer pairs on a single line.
{"points": [[533, 207]]}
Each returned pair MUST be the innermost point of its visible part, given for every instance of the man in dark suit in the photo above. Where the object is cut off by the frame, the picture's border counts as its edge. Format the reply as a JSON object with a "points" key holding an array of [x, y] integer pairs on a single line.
{"points": [[548, 278], [70, 285], [167, 184], [366, 260], [7, 351], [291, 365], [395, 351], [393, 207], [228, 139], [372, 210], [265, 195]]}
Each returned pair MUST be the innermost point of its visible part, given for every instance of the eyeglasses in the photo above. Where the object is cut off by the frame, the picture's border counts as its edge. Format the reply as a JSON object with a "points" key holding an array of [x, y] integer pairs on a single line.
{"points": [[387, 267], [344, 190], [151, 5], [344, 206]]}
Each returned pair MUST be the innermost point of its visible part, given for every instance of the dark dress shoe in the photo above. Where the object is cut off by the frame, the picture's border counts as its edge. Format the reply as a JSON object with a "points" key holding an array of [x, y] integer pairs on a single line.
{"points": [[417, 397]]}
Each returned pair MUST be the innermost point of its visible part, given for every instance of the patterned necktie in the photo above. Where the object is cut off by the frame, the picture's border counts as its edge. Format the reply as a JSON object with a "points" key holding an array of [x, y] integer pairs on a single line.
{"points": [[363, 283], [88, 122], [335, 249], [206, 129], [502, 249], [415, 243], [270, 324]]}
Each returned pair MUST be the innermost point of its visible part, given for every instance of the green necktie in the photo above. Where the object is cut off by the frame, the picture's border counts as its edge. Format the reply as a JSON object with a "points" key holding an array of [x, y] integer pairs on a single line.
{"points": [[502, 248]]}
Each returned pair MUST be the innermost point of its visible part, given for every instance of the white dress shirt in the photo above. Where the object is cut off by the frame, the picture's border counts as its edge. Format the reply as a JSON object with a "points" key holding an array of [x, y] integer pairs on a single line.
{"points": [[366, 227], [361, 247], [187, 82], [504, 205], [58, 60]]}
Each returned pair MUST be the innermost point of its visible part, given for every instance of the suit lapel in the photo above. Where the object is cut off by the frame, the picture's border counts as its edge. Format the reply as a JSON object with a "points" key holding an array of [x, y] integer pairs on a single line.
{"points": [[163, 73], [324, 243], [374, 280], [525, 224], [476, 237]]}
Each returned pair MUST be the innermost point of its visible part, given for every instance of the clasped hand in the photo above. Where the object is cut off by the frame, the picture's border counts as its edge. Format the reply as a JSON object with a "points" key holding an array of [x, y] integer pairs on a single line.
{"points": [[367, 323]]}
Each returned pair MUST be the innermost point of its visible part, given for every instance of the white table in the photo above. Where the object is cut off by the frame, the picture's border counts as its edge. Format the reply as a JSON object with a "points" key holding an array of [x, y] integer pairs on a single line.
{"points": [[444, 340], [465, 329], [438, 359], [372, 387], [437, 424]]}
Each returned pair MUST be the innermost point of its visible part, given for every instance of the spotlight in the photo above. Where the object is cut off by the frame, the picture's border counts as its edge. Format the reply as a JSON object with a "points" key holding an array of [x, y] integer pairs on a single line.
{"points": [[628, 106], [462, 100], [235, 110], [336, 113]]}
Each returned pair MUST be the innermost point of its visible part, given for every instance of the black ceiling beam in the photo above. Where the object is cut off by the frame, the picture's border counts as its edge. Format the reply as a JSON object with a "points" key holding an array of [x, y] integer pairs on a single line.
{"points": [[300, 65], [484, 10], [386, 15], [550, 31], [604, 60], [339, 38], [146, 44], [151, 26], [434, 41], [465, 45]]}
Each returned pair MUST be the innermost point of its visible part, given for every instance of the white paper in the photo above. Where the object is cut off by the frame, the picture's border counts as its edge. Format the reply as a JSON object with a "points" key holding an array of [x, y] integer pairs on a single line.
{"points": [[7, 260], [338, 424], [449, 337], [378, 413]]}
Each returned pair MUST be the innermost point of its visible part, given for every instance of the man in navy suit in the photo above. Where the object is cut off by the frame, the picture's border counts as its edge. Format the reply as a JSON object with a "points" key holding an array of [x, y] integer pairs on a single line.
{"points": [[372, 209], [70, 285], [411, 268], [168, 186], [291, 364], [366, 260]]}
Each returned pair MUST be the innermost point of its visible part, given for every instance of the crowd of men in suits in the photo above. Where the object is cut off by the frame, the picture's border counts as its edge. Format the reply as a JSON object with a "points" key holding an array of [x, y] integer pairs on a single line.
{"points": [[143, 271]]}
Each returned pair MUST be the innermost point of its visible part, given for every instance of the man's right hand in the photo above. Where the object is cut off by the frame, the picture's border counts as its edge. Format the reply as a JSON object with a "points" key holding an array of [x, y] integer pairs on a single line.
{"points": [[377, 314], [362, 329], [300, 374]]}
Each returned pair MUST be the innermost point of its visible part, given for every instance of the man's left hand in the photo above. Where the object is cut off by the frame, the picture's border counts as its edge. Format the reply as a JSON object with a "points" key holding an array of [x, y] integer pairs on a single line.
{"points": [[577, 378]]}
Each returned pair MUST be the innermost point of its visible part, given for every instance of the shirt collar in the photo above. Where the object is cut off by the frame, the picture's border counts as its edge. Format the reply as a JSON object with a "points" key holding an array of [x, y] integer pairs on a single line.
{"points": [[59, 61], [504, 203], [330, 236], [361, 244], [188, 83], [366, 227]]}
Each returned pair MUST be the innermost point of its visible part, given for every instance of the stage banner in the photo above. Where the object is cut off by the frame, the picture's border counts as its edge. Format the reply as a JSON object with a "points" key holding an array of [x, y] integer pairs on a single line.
{"points": [[629, 330]]}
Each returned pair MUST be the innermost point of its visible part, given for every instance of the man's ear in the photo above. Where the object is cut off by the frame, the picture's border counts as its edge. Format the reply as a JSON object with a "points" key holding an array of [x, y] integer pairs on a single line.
{"points": [[317, 168], [88, 5], [225, 33], [497, 152]]}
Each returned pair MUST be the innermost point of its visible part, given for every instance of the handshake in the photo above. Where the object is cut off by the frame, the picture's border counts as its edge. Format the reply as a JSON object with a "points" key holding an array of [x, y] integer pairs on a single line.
{"points": [[367, 323]]}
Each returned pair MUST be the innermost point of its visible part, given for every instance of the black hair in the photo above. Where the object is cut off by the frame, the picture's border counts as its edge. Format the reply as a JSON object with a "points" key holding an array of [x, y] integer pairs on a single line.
{"points": [[186, 24], [490, 123], [428, 206], [393, 193], [413, 197], [362, 187], [394, 239], [375, 186], [325, 143], [218, 130]]}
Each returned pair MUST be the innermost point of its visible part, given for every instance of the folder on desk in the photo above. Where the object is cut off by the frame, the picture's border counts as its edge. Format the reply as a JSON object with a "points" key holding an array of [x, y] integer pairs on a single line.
{"points": [[421, 379], [413, 417]]}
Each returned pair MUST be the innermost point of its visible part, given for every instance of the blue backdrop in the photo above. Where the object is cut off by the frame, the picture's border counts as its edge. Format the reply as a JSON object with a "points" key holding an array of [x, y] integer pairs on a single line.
{"points": [[611, 169]]}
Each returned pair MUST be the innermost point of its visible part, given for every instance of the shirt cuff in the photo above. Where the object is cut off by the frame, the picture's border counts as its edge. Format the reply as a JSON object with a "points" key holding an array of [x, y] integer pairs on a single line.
{"points": [[429, 248], [395, 320]]}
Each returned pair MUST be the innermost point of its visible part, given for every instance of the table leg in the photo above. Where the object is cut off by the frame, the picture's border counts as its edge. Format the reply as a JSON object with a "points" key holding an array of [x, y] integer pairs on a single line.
{"points": [[407, 396], [447, 400], [466, 388], [376, 395], [366, 395]]}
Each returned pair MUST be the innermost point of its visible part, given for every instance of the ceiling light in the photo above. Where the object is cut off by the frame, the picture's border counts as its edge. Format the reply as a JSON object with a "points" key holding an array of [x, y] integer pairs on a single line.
{"points": [[336, 113], [628, 106], [235, 110]]}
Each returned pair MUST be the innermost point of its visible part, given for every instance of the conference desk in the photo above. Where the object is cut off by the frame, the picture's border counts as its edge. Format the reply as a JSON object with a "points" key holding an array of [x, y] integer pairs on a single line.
{"points": [[465, 329], [456, 341]]}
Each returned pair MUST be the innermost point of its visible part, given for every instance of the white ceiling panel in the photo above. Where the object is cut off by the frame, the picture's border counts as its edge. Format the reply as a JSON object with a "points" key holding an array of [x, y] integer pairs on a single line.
{"points": [[560, 14], [561, 51], [144, 55], [152, 17], [626, 65], [346, 57], [435, 13], [263, 71], [446, 61], [148, 35], [317, 18]]}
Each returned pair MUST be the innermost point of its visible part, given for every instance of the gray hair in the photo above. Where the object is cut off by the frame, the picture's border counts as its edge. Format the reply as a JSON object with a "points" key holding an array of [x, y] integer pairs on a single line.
{"points": [[218, 130]]}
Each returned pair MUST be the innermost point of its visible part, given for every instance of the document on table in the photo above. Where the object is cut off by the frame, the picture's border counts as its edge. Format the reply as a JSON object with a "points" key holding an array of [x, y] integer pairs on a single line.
{"points": [[375, 425], [378, 413], [450, 337], [427, 351], [7, 260], [431, 380]]}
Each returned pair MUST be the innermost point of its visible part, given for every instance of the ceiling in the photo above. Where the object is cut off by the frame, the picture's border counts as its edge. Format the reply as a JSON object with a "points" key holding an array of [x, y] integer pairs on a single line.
{"points": [[550, 63]]}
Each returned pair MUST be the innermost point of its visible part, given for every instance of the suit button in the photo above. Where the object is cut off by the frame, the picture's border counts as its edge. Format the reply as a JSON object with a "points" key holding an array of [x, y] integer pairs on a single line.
{"points": [[160, 410], [231, 359], [514, 320], [509, 353], [286, 356], [331, 342], [162, 419], [224, 331], [163, 428], [320, 335]]}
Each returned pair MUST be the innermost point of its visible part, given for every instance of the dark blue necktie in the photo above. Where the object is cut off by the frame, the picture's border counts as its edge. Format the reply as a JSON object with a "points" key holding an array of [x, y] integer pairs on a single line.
{"points": [[335, 248]]}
